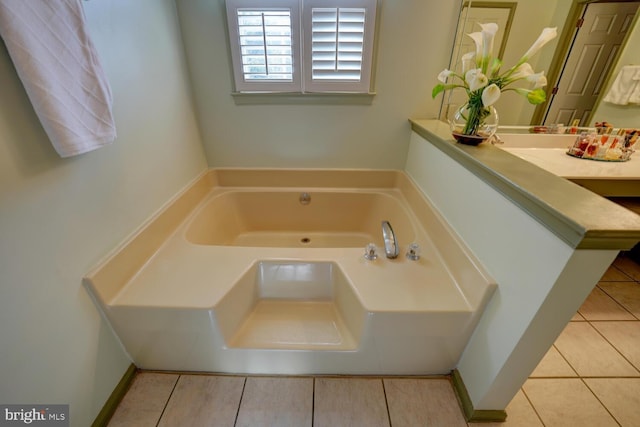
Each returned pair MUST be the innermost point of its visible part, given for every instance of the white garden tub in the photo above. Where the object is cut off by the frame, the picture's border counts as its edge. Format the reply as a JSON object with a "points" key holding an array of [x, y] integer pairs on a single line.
{"points": [[263, 272]]}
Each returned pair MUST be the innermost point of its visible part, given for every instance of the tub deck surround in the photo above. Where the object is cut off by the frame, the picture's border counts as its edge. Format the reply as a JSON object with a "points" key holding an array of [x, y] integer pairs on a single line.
{"points": [[421, 285], [194, 301], [578, 216]]}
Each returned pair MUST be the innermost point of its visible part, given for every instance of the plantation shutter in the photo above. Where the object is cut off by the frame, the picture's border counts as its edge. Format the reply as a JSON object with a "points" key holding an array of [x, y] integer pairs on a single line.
{"points": [[338, 34], [265, 44], [302, 46], [265, 47], [337, 42]]}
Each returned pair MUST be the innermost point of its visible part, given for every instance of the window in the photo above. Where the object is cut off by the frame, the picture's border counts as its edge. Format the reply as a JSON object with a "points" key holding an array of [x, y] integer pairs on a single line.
{"points": [[305, 46]]}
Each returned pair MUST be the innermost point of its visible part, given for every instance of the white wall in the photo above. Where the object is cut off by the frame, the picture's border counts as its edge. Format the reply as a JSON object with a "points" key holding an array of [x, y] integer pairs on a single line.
{"points": [[58, 217], [415, 42], [541, 280]]}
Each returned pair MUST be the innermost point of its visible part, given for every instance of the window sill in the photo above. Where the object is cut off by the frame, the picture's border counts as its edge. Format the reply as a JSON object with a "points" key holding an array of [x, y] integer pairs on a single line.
{"points": [[298, 98]]}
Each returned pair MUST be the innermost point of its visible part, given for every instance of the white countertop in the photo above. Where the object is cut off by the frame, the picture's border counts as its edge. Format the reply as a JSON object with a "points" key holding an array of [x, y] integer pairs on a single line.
{"points": [[558, 162], [550, 153]]}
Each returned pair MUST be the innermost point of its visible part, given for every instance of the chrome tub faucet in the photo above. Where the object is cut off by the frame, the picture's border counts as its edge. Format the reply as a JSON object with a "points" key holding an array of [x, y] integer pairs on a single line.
{"points": [[391, 249]]}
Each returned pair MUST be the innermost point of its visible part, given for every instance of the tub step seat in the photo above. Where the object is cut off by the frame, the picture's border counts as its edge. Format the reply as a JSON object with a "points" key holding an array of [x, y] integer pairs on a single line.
{"points": [[282, 324], [291, 305]]}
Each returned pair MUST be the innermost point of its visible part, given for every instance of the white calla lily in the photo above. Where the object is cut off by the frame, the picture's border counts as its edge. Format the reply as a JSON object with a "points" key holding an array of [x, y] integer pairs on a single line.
{"points": [[475, 79], [488, 34], [484, 83], [545, 37], [490, 94], [468, 61], [538, 80], [523, 70], [444, 74], [477, 38]]}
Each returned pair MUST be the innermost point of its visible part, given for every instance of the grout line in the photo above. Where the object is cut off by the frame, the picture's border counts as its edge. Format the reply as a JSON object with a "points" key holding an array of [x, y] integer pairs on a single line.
{"points": [[532, 406], [164, 408], [598, 399], [567, 361], [613, 264], [244, 384], [313, 402], [386, 402], [615, 300], [593, 377], [631, 279], [616, 349]]}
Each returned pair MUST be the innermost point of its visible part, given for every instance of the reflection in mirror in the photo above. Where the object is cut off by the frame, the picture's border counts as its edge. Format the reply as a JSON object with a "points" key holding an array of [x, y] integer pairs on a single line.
{"points": [[566, 68], [448, 99], [482, 12]]}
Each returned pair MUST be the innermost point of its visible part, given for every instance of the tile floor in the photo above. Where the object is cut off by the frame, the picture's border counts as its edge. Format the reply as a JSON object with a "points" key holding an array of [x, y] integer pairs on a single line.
{"points": [[589, 377]]}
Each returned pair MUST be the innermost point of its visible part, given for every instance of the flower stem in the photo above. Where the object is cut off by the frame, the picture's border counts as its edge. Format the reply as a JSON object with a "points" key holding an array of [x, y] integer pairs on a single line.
{"points": [[476, 114]]}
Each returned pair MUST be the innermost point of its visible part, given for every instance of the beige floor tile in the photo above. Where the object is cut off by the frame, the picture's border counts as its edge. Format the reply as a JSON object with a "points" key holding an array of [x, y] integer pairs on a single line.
{"points": [[621, 396], [553, 365], [349, 402], [200, 400], [520, 413], [276, 401], [566, 402], [614, 274], [422, 402], [624, 336], [600, 306], [626, 293], [590, 354], [144, 402], [628, 267]]}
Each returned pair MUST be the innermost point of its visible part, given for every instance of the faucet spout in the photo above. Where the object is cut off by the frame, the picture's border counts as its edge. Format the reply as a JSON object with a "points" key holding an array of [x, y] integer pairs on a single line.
{"points": [[391, 249]]}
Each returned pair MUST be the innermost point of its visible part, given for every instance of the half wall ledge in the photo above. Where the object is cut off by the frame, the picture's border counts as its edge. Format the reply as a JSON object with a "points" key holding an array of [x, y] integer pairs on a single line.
{"points": [[544, 239], [581, 218]]}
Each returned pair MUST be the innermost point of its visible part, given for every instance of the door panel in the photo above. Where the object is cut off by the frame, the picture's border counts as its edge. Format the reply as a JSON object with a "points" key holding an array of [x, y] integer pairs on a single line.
{"points": [[590, 60]]}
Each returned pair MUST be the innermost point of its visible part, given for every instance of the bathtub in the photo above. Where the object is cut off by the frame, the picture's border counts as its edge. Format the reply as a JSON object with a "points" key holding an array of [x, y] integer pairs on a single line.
{"points": [[263, 272], [290, 218]]}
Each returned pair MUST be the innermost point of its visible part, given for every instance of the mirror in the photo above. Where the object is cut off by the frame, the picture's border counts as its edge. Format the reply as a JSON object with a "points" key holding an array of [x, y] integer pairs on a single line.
{"points": [[515, 19]]}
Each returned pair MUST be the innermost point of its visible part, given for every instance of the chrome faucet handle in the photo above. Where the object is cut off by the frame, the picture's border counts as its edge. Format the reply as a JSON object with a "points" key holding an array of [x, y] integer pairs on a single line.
{"points": [[413, 252], [371, 252]]}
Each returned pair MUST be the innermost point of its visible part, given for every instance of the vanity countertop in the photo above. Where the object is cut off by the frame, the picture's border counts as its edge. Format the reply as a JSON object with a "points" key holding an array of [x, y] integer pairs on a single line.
{"points": [[550, 153], [579, 216]]}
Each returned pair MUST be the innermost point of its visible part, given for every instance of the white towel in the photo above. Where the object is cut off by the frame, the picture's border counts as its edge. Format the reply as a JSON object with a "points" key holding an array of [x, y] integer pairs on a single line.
{"points": [[626, 87], [634, 98], [50, 46]]}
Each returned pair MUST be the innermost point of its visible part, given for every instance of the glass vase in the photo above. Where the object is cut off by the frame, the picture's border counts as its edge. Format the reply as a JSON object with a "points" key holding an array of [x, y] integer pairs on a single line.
{"points": [[472, 124]]}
